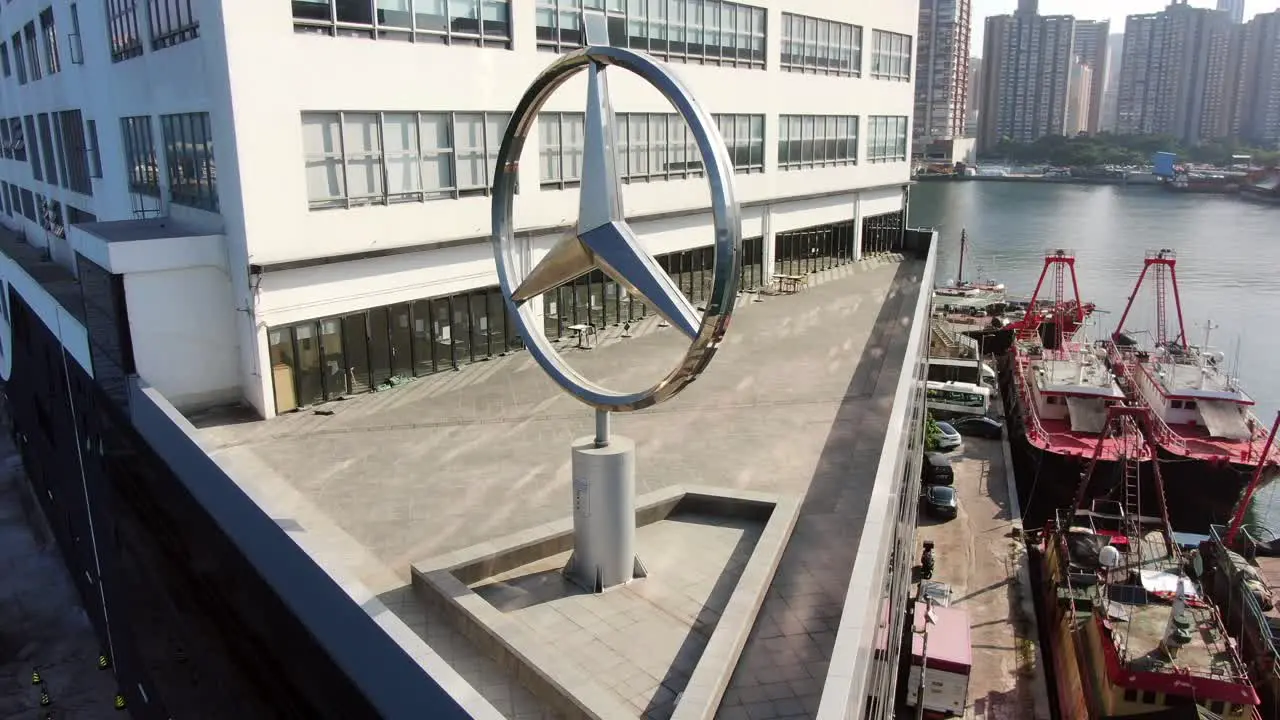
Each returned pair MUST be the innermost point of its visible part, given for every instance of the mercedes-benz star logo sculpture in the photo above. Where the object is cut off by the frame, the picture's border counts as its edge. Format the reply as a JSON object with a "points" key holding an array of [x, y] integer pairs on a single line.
{"points": [[603, 240]]}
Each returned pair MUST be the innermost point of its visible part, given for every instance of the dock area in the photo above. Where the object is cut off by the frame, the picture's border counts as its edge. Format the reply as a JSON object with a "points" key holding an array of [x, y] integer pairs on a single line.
{"points": [[981, 557]]}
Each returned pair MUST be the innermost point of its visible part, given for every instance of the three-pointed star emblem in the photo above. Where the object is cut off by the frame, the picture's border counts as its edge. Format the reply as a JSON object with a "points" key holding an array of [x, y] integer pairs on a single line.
{"points": [[603, 239]]}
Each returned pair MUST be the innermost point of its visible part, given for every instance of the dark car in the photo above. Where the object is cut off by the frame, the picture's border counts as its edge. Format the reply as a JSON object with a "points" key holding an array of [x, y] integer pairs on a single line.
{"points": [[940, 501], [979, 426], [937, 469]]}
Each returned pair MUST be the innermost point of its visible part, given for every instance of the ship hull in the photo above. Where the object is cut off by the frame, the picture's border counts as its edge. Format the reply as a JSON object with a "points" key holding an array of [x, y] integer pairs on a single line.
{"points": [[1203, 492], [1047, 480], [1238, 614], [1070, 679]]}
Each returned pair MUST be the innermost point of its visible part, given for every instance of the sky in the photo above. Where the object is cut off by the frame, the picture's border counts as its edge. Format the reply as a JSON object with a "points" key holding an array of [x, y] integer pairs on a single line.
{"points": [[1113, 10]]}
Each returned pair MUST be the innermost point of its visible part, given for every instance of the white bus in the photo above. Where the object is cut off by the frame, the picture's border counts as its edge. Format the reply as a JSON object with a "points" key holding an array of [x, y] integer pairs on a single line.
{"points": [[947, 399], [942, 369]]}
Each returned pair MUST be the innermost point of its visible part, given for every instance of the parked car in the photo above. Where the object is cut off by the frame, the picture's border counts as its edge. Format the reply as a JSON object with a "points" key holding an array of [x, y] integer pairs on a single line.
{"points": [[948, 438], [979, 426], [941, 501], [937, 470]]}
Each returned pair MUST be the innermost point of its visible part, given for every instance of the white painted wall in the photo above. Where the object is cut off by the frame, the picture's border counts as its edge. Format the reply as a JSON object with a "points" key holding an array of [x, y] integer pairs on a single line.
{"points": [[255, 76], [280, 77], [184, 334]]}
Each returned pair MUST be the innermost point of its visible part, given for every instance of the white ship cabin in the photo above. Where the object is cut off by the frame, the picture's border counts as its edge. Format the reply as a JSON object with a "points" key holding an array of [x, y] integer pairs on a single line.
{"points": [[1194, 390], [1073, 386]]}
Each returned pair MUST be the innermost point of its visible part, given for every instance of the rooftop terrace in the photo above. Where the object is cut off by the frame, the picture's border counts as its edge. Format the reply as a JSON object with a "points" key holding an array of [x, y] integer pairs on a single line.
{"points": [[795, 404]]}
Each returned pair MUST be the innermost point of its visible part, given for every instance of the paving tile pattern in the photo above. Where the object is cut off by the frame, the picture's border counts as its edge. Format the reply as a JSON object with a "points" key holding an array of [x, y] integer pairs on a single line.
{"points": [[641, 642], [794, 398]]}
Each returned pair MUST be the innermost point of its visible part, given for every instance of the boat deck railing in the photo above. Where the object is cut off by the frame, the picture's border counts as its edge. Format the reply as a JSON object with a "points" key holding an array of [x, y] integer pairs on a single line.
{"points": [[1164, 435]]}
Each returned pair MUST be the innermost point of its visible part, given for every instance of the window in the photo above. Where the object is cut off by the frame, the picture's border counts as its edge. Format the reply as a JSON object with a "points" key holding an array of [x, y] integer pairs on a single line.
{"points": [[4, 60], [32, 51], [813, 141], [890, 56], [188, 156], [18, 59], [51, 216], [77, 170], [715, 32], [483, 23], [888, 141], [561, 137], [92, 152], [19, 140], [122, 20], [744, 137], [655, 146], [6, 142], [34, 148], [46, 146], [819, 46], [52, 63], [172, 23], [140, 155], [73, 38], [421, 156], [28, 204], [8, 206]]}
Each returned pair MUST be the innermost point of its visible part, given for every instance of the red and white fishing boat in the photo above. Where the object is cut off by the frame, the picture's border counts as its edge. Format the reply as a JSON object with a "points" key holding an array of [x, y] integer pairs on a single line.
{"points": [[1131, 632], [1200, 413], [1058, 389]]}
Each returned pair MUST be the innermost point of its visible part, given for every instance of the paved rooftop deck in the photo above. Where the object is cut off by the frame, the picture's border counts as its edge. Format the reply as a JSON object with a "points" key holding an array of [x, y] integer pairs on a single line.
{"points": [[795, 403]]}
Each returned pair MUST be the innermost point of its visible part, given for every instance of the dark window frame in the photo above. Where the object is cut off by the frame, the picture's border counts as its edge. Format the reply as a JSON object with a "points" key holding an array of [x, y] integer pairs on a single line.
{"points": [[142, 166], [488, 24], [192, 168], [172, 22], [122, 30]]}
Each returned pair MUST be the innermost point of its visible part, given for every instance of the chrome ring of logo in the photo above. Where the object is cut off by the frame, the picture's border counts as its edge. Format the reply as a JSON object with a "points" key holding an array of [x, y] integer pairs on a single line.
{"points": [[603, 240]]}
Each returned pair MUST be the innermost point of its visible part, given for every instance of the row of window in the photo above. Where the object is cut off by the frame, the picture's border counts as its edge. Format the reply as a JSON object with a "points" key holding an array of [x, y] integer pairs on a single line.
{"points": [[820, 46], [372, 158], [33, 58], [169, 22], [19, 201], [364, 158], [190, 167], [326, 359], [887, 141], [651, 146], [453, 22], [813, 141], [711, 32], [334, 357], [890, 56], [68, 142]]}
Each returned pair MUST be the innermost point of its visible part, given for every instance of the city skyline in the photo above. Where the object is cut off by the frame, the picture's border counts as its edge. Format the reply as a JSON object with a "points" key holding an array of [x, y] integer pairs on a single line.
{"points": [[1091, 10]]}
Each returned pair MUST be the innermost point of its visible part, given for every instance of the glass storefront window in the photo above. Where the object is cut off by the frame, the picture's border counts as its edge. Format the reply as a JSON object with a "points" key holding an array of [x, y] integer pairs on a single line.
{"points": [[325, 359]]}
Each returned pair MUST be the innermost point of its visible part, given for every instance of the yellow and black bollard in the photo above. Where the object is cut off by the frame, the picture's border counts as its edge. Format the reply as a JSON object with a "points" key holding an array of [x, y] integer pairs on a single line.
{"points": [[45, 700], [119, 702], [103, 662], [35, 677]]}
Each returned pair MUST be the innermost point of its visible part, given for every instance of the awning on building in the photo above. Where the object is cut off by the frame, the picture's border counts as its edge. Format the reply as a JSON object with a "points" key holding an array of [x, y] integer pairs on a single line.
{"points": [[1224, 419], [1087, 414]]}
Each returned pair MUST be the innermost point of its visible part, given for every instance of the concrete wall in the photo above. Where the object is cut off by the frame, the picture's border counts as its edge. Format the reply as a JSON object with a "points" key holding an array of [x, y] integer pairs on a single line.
{"points": [[851, 672], [381, 680], [183, 327]]}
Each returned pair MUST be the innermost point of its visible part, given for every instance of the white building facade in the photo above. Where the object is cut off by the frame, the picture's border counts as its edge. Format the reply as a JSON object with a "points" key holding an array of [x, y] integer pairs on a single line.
{"points": [[292, 197]]}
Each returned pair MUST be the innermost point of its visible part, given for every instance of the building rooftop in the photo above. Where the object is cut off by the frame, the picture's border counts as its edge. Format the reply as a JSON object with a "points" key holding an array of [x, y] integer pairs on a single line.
{"points": [[160, 228], [795, 404], [54, 278]]}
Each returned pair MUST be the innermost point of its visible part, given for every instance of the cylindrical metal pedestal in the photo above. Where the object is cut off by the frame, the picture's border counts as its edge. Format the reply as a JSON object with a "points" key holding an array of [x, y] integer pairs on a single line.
{"points": [[604, 514]]}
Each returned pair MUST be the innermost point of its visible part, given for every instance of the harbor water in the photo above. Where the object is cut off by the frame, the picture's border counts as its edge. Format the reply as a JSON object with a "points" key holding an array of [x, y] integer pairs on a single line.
{"points": [[1228, 259]]}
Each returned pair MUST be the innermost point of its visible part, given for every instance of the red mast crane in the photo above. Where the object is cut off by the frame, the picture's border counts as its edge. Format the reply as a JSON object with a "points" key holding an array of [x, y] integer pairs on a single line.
{"points": [[1061, 261], [1164, 261], [1243, 506]]}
